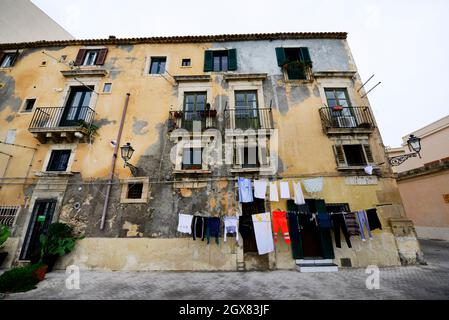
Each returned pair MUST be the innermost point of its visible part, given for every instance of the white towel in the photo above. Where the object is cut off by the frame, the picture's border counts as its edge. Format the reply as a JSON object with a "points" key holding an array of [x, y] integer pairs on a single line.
{"points": [[274, 192], [263, 232], [285, 190], [260, 188], [299, 197], [185, 223]]}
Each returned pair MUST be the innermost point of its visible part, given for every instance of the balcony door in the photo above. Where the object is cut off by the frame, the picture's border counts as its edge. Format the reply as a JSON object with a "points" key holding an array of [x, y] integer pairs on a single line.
{"points": [[77, 106], [340, 107], [246, 110], [194, 106]]}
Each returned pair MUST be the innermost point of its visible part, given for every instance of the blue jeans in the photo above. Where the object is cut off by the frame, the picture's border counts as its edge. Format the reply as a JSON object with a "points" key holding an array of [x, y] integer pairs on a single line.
{"points": [[363, 220]]}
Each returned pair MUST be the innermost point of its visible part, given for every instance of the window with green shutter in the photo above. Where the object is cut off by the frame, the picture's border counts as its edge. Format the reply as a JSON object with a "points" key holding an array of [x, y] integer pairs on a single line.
{"points": [[220, 60], [297, 61]]}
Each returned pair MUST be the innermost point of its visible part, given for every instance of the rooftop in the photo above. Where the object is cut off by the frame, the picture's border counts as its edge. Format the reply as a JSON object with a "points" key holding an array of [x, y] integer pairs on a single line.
{"points": [[179, 39]]}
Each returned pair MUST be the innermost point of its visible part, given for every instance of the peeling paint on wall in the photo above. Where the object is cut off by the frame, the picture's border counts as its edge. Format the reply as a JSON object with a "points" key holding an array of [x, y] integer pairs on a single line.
{"points": [[139, 126], [7, 94]]}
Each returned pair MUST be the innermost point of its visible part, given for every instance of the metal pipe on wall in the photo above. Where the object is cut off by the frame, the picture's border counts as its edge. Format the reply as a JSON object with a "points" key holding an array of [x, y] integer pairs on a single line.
{"points": [[114, 158]]}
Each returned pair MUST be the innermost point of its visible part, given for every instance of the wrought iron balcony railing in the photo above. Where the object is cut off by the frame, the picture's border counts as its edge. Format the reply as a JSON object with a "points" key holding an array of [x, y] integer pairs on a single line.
{"points": [[186, 119], [344, 119], [249, 118]]}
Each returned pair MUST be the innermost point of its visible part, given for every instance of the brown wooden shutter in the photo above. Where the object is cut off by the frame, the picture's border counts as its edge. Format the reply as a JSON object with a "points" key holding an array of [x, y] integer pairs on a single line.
{"points": [[101, 56], [368, 153], [339, 155], [80, 57]]}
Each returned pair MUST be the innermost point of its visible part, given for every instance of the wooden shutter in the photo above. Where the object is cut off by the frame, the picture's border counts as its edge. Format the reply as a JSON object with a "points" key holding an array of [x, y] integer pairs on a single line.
{"points": [[232, 59], [208, 60], [80, 57], [2, 54], [280, 55], [339, 155], [304, 55], [368, 153], [101, 56]]}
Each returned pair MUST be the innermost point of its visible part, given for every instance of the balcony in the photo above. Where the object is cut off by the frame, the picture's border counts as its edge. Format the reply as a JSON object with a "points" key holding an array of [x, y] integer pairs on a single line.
{"points": [[248, 118], [186, 120], [61, 124], [344, 120]]}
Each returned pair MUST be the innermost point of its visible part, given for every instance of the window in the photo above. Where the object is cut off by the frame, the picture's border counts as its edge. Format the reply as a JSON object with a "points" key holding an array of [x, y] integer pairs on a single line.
{"points": [[337, 97], [135, 190], [158, 65], [297, 61], [59, 160], [107, 88], [10, 136], [194, 105], [246, 110], [220, 60], [91, 57], [185, 62], [250, 157], [29, 105], [350, 155], [8, 215], [7, 59], [192, 158]]}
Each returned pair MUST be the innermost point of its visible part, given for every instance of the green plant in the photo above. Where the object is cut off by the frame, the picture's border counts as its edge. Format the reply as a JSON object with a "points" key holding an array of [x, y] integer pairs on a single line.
{"points": [[19, 279], [90, 127], [4, 234], [59, 240]]}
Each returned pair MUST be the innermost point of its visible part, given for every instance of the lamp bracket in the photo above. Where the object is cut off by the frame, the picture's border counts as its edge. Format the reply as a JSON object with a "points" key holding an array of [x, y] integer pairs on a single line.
{"points": [[395, 161]]}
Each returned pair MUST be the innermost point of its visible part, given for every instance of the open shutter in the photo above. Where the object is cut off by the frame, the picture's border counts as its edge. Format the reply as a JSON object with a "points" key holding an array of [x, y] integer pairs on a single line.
{"points": [[208, 60], [14, 57], [304, 55], [368, 153], [2, 54], [80, 57], [339, 155], [232, 59], [280, 55], [101, 56]]}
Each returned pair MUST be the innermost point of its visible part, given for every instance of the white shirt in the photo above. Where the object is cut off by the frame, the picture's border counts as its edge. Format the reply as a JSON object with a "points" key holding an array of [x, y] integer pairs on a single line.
{"points": [[260, 188], [299, 197], [285, 190]]}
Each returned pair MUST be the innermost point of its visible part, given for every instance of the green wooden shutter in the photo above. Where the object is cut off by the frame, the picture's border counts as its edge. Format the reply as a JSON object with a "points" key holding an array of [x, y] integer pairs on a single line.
{"points": [[304, 55], [339, 155], [232, 59], [208, 60], [368, 153], [280, 55]]}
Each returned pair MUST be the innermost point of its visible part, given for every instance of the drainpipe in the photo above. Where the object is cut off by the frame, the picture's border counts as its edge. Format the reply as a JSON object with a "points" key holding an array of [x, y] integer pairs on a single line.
{"points": [[114, 158]]}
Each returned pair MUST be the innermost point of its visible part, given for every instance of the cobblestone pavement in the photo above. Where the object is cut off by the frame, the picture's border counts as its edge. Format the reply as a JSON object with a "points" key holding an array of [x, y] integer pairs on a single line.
{"points": [[413, 282]]}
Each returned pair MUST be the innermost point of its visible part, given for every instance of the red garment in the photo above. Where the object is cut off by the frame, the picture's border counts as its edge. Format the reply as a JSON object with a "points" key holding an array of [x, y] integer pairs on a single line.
{"points": [[280, 221]]}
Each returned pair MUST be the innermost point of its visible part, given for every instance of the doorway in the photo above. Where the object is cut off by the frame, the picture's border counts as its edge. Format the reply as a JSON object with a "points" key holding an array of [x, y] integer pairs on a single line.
{"points": [[77, 106], [252, 259], [41, 218]]}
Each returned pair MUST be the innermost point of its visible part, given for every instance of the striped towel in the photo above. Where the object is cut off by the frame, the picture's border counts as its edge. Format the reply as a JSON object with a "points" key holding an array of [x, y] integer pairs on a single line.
{"points": [[351, 224]]}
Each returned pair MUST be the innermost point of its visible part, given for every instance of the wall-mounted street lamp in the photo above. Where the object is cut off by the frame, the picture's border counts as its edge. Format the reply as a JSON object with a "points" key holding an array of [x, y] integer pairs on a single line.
{"points": [[414, 145], [126, 152]]}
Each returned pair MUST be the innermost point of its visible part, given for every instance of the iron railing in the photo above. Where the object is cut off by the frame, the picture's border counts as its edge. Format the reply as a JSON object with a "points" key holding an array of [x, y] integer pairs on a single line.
{"points": [[60, 117], [186, 119], [346, 118], [8, 215], [249, 118]]}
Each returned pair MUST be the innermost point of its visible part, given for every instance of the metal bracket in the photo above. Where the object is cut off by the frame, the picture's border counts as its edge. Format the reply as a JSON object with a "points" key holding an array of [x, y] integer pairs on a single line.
{"points": [[132, 168], [395, 161]]}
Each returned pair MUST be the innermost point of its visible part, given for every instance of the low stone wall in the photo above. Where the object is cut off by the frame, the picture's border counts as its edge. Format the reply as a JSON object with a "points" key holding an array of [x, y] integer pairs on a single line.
{"points": [[432, 233]]}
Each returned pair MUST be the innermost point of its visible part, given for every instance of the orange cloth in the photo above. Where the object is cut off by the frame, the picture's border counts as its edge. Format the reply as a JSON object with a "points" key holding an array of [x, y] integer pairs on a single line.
{"points": [[280, 221]]}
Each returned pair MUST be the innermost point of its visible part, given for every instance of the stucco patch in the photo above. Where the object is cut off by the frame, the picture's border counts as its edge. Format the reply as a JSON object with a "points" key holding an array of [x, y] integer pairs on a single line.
{"points": [[186, 193], [127, 48], [7, 94], [138, 126], [132, 229], [104, 122]]}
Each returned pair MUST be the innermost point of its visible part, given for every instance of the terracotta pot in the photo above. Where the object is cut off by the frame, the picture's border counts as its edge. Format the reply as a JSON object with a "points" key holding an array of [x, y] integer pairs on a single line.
{"points": [[40, 272], [337, 108]]}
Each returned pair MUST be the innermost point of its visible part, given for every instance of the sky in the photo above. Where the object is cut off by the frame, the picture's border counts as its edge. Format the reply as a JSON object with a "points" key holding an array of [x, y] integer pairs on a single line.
{"points": [[404, 43]]}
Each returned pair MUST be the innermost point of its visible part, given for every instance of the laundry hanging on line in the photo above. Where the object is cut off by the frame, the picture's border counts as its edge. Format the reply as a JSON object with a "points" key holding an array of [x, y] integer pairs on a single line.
{"points": [[231, 226], [285, 190], [274, 192], [260, 189], [263, 232], [185, 223], [245, 190], [299, 196]]}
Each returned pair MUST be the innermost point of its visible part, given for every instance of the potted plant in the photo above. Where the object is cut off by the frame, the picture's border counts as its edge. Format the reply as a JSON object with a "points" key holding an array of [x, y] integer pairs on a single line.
{"points": [[337, 108], [4, 234], [58, 241], [39, 270], [177, 114]]}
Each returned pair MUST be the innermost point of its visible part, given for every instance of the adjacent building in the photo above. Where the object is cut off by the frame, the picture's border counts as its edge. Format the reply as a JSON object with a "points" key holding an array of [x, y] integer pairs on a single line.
{"points": [[198, 112], [22, 21], [424, 181]]}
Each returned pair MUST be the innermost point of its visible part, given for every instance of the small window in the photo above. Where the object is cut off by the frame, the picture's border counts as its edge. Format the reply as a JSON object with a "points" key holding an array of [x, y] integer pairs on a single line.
{"points": [[59, 160], [220, 60], [185, 62], [157, 65], [250, 157], [29, 105], [135, 190], [7, 60], [107, 88], [91, 57], [192, 158], [10, 136], [354, 155]]}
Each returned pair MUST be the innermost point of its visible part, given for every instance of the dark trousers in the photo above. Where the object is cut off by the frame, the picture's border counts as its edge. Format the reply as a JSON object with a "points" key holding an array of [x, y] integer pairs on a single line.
{"points": [[198, 227], [339, 223]]}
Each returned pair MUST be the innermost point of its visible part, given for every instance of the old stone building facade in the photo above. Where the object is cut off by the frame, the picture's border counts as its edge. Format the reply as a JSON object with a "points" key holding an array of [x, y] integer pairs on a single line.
{"points": [[66, 107]]}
